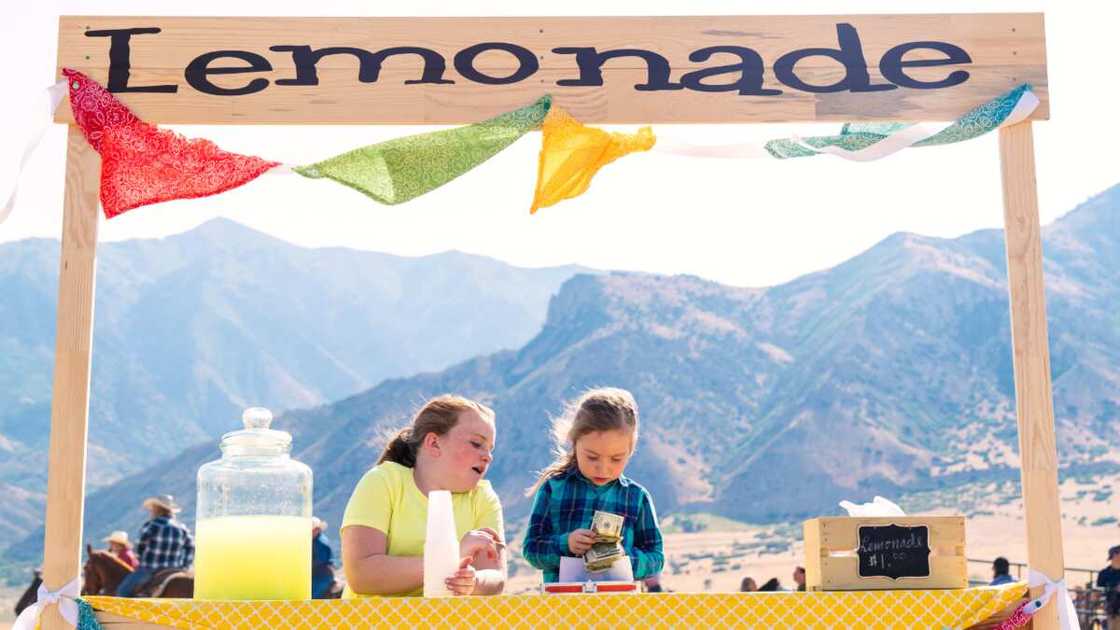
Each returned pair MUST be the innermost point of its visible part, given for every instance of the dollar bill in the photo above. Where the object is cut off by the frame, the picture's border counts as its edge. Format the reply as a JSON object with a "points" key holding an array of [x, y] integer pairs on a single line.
{"points": [[607, 526]]}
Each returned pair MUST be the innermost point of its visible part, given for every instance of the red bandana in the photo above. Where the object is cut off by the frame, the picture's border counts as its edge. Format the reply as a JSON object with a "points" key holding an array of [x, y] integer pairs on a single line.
{"points": [[142, 164]]}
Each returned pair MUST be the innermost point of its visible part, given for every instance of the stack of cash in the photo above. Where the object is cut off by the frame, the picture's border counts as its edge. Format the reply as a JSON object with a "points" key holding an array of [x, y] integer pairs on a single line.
{"points": [[602, 556], [607, 548]]}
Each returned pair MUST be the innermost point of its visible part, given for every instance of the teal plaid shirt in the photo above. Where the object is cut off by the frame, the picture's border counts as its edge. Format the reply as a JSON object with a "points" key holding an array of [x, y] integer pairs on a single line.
{"points": [[568, 501]]}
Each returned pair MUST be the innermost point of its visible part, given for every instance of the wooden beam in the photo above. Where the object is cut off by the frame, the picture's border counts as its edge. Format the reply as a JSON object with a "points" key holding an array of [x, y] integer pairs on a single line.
{"points": [[1034, 408], [1003, 50], [70, 396]]}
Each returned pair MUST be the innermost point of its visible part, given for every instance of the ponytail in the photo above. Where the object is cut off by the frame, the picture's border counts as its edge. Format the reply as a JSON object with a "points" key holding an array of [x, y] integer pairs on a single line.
{"points": [[400, 449]]}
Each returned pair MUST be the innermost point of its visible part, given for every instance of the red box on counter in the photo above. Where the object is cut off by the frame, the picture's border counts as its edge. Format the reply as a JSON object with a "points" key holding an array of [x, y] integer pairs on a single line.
{"points": [[590, 587]]}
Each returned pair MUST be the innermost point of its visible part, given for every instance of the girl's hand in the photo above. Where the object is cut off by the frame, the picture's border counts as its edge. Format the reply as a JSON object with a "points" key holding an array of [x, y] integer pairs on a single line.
{"points": [[580, 541], [463, 581], [479, 542], [493, 534], [499, 544]]}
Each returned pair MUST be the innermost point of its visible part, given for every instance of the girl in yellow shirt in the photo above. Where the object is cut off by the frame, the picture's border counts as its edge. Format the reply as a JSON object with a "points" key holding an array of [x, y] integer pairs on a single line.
{"points": [[448, 446]]}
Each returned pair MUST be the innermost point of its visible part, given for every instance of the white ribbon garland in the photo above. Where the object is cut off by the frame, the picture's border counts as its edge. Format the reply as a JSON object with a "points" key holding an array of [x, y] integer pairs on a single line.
{"points": [[65, 597], [1067, 614], [55, 94], [674, 146]]}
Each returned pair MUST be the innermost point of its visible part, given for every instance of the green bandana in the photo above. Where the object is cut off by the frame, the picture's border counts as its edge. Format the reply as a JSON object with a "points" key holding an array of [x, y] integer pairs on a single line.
{"points": [[401, 169]]}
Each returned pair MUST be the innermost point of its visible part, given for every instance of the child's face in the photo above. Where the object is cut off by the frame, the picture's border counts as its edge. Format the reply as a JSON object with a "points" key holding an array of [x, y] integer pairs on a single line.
{"points": [[466, 452], [602, 456]]}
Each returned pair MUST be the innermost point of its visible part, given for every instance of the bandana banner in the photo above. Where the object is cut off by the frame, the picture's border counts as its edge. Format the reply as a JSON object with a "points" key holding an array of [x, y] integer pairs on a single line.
{"points": [[572, 153], [142, 164], [401, 169]]}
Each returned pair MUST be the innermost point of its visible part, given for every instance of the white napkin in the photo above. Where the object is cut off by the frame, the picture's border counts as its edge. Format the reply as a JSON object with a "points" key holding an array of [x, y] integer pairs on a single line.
{"points": [[878, 507]]}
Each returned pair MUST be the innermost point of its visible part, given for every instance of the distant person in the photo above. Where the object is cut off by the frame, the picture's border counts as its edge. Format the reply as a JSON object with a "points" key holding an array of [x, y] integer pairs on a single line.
{"points": [[120, 547], [1109, 580], [748, 585], [799, 578], [164, 543], [322, 567], [771, 585], [1001, 572]]}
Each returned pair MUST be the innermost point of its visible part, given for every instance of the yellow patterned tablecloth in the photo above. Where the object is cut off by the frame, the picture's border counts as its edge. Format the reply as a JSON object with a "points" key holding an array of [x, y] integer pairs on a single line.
{"points": [[862, 609]]}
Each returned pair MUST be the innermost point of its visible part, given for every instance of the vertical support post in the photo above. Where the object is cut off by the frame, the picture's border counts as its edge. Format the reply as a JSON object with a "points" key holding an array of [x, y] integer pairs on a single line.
{"points": [[70, 397], [1034, 407]]}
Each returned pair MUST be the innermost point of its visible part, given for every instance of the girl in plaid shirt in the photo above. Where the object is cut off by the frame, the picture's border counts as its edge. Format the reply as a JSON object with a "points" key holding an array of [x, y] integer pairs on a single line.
{"points": [[596, 438]]}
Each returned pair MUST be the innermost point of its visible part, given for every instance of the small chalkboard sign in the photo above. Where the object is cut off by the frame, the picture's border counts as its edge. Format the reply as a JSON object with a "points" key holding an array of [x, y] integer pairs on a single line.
{"points": [[893, 551]]}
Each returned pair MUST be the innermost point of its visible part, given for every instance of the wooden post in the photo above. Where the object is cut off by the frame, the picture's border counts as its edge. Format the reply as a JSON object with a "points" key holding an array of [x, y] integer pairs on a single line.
{"points": [[70, 397], [1034, 408]]}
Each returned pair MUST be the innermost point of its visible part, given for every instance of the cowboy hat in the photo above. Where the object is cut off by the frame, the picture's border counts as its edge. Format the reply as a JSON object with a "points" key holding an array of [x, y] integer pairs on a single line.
{"points": [[165, 501], [119, 537]]}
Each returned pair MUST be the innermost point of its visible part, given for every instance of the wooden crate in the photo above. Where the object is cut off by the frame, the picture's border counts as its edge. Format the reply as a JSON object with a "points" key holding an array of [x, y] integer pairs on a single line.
{"points": [[891, 556]]}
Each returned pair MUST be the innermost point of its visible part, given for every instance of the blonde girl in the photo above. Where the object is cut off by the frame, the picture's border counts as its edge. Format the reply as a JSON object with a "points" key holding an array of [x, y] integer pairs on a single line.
{"points": [[596, 437]]}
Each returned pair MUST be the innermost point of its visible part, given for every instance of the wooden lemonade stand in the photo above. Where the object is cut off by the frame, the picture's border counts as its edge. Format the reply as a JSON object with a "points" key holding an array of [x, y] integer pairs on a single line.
{"points": [[602, 70]]}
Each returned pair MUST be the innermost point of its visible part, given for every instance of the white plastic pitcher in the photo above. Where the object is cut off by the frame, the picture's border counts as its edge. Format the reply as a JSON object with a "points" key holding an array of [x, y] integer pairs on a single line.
{"points": [[441, 545]]}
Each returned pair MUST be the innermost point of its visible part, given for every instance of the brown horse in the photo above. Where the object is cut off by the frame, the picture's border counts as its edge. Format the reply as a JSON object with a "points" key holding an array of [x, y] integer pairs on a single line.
{"points": [[104, 571], [31, 594]]}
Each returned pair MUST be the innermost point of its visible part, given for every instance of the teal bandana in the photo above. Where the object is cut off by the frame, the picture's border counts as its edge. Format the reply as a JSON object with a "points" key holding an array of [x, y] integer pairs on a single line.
{"points": [[855, 137]]}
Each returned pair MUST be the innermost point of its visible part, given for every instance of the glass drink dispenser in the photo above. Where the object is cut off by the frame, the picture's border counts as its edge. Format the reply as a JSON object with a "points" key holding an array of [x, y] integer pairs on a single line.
{"points": [[253, 530]]}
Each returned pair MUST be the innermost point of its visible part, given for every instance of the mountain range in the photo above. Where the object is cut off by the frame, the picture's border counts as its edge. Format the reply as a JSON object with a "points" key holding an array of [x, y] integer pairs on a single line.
{"points": [[888, 374], [191, 329]]}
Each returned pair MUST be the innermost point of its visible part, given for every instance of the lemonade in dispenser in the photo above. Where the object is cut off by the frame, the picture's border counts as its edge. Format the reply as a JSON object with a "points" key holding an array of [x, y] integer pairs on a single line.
{"points": [[253, 533]]}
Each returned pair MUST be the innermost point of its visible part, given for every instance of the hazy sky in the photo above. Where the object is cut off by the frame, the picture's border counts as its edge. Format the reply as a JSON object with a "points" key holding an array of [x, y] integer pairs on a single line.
{"points": [[749, 222]]}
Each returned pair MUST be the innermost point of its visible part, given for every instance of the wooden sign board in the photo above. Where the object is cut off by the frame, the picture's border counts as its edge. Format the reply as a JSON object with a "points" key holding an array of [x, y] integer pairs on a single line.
{"points": [[893, 551], [715, 69], [913, 552]]}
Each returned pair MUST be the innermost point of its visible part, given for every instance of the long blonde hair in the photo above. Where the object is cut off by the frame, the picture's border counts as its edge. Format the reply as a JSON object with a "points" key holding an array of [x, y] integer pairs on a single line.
{"points": [[438, 416], [599, 409]]}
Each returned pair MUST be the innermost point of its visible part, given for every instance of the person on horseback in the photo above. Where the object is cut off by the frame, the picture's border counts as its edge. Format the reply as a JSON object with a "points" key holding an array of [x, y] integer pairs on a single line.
{"points": [[322, 568], [164, 543], [120, 547]]}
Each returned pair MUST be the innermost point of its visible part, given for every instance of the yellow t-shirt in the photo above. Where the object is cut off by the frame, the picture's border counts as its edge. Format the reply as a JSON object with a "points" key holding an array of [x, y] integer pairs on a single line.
{"points": [[387, 499]]}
